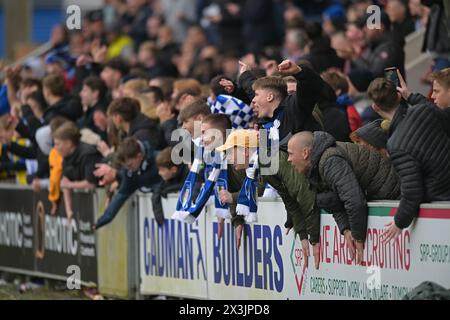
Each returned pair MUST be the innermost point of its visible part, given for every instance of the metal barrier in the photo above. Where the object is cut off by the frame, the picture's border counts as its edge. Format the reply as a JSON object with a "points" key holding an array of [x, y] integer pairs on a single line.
{"points": [[189, 261], [117, 258], [134, 257], [36, 243]]}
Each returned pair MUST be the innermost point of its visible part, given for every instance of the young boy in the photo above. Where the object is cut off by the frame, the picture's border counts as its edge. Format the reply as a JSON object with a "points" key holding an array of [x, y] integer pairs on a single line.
{"points": [[293, 188], [191, 117], [138, 172], [55, 161], [78, 164], [172, 176], [214, 132]]}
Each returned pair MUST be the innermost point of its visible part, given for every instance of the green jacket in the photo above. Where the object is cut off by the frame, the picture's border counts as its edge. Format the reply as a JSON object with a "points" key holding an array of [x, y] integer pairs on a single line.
{"points": [[299, 199]]}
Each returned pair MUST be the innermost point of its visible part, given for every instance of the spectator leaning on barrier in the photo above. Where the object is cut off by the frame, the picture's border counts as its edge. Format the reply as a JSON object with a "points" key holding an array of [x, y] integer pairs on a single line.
{"points": [[139, 172], [79, 162], [191, 117], [344, 175], [55, 161], [419, 149], [172, 176], [214, 132], [293, 188]]}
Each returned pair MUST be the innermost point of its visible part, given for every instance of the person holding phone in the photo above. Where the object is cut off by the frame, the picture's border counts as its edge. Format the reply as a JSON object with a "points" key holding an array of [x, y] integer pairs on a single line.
{"points": [[419, 148]]}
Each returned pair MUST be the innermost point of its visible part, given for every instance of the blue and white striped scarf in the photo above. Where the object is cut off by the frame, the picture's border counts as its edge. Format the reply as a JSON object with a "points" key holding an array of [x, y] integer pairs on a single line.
{"points": [[246, 204], [240, 113], [216, 179]]}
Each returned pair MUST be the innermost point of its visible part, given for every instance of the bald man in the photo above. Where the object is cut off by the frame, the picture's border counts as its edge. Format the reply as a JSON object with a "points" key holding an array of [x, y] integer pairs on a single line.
{"points": [[343, 175]]}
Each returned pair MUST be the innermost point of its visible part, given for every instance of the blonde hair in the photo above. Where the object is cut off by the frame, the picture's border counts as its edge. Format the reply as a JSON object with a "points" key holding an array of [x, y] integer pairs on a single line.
{"points": [[276, 84], [442, 77]]}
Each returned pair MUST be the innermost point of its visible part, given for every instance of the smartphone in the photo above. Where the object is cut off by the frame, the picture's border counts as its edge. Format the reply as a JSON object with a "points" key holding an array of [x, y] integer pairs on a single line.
{"points": [[391, 74]]}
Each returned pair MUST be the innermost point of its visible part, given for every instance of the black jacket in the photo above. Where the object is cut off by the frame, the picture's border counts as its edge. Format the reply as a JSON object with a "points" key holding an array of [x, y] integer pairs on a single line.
{"points": [[145, 129], [354, 173], [295, 112], [68, 107], [145, 179], [80, 165], [420, 152], [443, 114]]}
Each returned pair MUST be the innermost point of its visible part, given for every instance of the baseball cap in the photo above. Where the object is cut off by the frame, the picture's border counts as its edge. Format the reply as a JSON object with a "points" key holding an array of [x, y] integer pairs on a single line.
{"points": [[241, 138]]}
